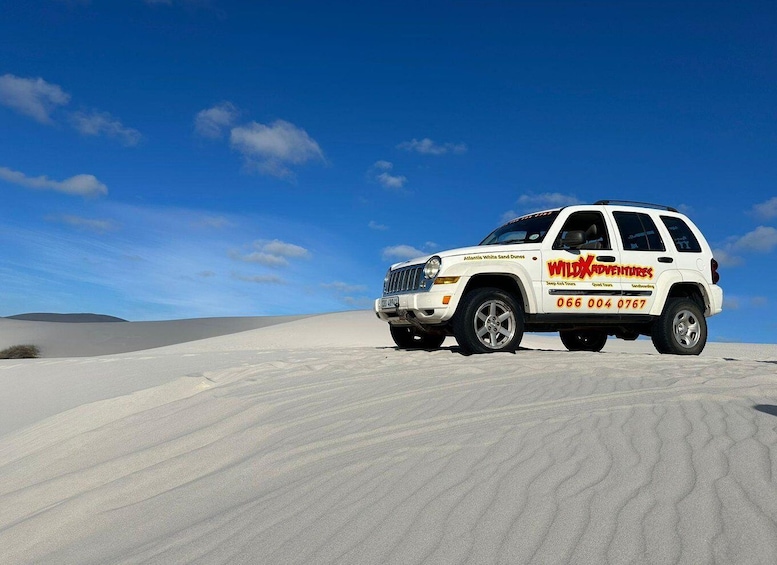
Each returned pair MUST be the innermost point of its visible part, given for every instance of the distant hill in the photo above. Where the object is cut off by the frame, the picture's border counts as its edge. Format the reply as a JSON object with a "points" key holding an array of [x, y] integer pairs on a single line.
{"points": [[70, 318]]}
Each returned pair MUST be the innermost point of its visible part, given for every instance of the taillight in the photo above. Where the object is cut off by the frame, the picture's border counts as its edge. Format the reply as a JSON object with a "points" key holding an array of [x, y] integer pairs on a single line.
{"points": [[715, 274]]}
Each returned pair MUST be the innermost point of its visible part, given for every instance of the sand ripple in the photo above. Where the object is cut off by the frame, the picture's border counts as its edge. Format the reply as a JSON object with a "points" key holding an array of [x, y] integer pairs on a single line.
{"points": [[372, 455]]}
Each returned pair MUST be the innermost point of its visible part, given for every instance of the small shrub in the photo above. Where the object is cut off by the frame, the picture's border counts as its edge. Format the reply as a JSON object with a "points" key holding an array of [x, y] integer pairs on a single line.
{"points": [[20, 352]]}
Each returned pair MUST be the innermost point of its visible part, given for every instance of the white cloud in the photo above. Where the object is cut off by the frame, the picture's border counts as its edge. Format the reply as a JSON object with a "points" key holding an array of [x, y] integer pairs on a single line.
{"points": [[80, 185], [38, 99], [156, 266], [373, 225], [99, 226], [385, 178], [32, 97], [283, 249], [426, 146], [265, 259], [531, 202], [273, 253], [392, 181], [686, 209], [401, 253], [731, 302], [547, 200], [214, 121], [351, 295], [259, 279], [726, 258], [358, 302], [507, 216], [273, 148], [344, 288], [762, 239], [766, 210], [159, 266], [102, 123], [759, 301]]}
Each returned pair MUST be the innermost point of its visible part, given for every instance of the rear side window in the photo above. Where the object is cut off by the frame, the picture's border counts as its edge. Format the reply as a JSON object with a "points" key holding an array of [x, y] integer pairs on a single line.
{"points": [[638, 232], [683, 237]]}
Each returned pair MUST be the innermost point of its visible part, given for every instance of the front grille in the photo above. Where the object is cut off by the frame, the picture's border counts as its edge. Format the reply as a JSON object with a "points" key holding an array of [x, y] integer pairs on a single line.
{"points": [[406, 279]]}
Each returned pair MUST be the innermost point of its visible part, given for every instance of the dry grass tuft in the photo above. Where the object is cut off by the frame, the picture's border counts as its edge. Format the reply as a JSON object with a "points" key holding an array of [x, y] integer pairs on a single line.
{"points": [[20, 352]]}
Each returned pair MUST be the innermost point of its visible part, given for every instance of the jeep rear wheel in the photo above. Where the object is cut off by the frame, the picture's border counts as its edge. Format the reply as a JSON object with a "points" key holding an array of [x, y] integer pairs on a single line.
{"points": [[408, 337], [488, 320], [583, 340], [681, 329]]}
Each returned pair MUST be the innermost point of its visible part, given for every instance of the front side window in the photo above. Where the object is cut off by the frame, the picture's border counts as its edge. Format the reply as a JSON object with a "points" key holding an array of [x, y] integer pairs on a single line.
{"points": [[592, 224], [683, 237], [638, 232]]}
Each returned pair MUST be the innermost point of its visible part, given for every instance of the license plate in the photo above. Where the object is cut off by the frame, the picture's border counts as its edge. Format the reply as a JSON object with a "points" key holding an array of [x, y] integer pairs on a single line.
{"points": [[389, 303]]}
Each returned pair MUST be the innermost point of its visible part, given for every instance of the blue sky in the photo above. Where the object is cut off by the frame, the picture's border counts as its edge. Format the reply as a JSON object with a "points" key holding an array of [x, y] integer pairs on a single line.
{"points": [[175, 159]]}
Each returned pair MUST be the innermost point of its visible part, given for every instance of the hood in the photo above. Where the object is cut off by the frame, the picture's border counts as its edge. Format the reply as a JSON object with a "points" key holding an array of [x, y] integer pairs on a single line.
{"points": [[472, 250]]}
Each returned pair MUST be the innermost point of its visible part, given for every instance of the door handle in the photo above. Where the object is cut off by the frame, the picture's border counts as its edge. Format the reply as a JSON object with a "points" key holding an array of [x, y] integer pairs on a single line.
{"points": [[665, 260], [605, 259]]}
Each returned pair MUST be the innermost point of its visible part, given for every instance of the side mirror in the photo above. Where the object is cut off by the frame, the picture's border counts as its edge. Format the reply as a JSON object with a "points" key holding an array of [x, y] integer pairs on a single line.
{"points": [[573, 239]]}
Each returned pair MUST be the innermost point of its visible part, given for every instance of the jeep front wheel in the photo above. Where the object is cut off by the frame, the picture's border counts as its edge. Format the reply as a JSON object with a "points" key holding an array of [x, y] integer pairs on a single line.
{"points": [[681, 329], [583, 340], [488, 320], [408, 337]]}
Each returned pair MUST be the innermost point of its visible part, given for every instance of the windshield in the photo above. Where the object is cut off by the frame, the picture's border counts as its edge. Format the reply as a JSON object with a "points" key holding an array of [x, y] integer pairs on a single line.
{"points": [[526, 229]]}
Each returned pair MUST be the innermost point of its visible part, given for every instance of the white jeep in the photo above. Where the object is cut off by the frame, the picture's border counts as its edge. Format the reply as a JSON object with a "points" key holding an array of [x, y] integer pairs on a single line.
{"points": [[588, 271]]}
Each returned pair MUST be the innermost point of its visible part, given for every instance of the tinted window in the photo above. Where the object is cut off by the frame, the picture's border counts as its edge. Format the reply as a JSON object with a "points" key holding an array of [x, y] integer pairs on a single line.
{"points": [[638, 232], [683, 237], [592, 223], [526, 229]]}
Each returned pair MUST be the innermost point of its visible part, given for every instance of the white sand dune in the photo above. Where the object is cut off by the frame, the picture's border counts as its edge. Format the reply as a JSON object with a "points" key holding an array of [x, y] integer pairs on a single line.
{"points": [[87, 339], [316, 441]]}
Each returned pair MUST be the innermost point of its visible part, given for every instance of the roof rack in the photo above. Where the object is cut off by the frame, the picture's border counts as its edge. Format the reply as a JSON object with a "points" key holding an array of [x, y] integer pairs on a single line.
{"points": [[634, 203]]}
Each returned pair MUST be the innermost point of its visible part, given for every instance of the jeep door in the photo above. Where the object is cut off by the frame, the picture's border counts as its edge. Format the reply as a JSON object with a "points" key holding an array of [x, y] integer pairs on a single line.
{"points": [[645, 259], [583, 279]]}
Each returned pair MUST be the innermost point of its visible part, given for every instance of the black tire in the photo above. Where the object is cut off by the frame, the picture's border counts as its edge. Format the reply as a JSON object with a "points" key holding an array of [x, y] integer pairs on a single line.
{"points": [[488, 320], [681, 329], [408, 337], [583, 340]]}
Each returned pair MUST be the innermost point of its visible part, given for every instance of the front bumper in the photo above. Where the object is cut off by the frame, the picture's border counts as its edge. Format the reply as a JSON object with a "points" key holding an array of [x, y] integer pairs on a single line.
{"points": [[426, 308]]}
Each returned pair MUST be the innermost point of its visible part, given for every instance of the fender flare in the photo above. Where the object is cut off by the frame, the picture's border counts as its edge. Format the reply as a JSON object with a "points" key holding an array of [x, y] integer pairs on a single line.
{"points": [[504, 269]]}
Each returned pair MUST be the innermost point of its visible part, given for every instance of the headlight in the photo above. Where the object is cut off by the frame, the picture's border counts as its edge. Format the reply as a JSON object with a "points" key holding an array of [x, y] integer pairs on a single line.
{"points": [[386, 280], [432, 267]]}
